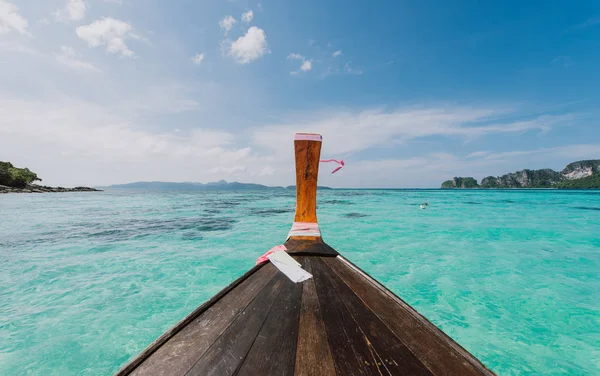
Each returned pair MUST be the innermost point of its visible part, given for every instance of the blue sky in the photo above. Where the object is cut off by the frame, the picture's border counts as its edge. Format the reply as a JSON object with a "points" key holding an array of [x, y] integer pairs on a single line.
{"points": [[409, 93]]}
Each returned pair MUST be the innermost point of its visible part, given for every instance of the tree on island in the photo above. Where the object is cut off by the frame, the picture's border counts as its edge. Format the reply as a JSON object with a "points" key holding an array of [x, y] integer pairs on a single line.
{"points": [[461, 182], [16, 177]]}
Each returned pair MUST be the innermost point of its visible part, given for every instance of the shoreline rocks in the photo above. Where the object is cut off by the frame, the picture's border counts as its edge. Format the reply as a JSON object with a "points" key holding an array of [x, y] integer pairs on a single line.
{"points": [[34, 188]]}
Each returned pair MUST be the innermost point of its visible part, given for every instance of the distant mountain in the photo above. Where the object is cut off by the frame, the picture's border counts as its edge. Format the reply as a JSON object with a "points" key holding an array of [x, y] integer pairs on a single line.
{"points": [[580, 174], [318, 187], [216, 186], [220, 185]]}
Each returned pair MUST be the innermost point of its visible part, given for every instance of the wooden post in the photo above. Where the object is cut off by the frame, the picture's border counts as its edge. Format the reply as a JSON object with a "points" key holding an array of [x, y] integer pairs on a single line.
{"points": [[307, 147]]}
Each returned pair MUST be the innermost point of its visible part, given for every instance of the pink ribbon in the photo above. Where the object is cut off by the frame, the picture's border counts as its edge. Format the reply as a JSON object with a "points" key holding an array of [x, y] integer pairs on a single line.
{"points": [[305, 229], [340, 162], [264, 257]]}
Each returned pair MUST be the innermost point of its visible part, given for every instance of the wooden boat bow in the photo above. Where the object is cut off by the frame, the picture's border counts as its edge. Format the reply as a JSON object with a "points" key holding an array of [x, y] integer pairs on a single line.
{"points": [[340, 322]]}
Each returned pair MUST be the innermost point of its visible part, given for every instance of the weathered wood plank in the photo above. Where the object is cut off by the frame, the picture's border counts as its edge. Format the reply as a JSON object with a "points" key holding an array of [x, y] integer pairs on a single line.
{"points": [[441, 354], [227, 353], [148, 351], [180, 353], [313, 355], [309, 247], [351, 354], [274, 350], [389, 353]]}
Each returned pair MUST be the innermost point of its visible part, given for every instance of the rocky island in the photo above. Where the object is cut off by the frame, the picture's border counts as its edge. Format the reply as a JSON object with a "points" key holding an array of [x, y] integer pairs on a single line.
{"points": [[576, 175], [20, 180], [460, 183]]}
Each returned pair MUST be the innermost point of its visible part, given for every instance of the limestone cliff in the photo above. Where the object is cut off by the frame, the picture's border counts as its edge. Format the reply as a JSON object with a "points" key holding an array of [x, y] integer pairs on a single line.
{"points": [[581, 169], [580, 174], [544, 178]]}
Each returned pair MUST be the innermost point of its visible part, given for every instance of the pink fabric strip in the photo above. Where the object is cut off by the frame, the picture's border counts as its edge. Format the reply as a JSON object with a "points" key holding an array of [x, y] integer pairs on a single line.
{"points": [[264, 258], [340, 162], [308, 137], [305, 229]]}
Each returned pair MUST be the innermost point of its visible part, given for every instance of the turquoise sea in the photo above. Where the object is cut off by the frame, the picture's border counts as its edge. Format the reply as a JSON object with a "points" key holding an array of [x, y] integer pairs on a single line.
{"points": [[87, 280]]}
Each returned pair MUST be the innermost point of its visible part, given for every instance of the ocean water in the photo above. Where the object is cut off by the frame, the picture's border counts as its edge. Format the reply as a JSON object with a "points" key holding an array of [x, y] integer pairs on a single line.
{"points": [[87, 280]]}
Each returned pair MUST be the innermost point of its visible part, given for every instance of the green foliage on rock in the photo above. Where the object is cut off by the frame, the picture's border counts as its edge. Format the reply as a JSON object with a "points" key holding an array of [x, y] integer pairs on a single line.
{"points": [[16, 177], [583, 183], [543, 178], [489, 182], [459, 182], [468, 183]]}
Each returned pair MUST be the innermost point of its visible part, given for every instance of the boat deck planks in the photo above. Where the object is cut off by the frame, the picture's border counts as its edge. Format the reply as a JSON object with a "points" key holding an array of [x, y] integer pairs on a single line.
{"points": [[375, 346], [340, 322], [441, 354], [183, 349], [274, 350], [313, 356]]}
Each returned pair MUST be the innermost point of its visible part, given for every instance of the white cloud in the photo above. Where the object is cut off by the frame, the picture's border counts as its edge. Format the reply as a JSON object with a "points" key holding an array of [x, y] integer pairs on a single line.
{"points": [[57, 137], [74, 11], [249, 47], [306, 64], [69, 57], [337, 53], [198, 59], [349, 132], [107, 32], [11, 20], [247, 16], [227, 23]]}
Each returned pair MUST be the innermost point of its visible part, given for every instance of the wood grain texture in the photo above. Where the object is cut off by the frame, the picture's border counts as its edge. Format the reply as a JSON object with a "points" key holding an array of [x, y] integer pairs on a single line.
{"points": [[440, 353], [313, 355], [307, 155], [229, 350], [387, 352], [309, 247], [274, 350], [350, 353], [180, 353], [160, 341], [360, 344]]}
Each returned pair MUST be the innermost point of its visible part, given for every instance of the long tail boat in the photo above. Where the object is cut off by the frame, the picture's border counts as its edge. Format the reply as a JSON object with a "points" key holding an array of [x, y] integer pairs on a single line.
{"points": [[339, 322]]}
